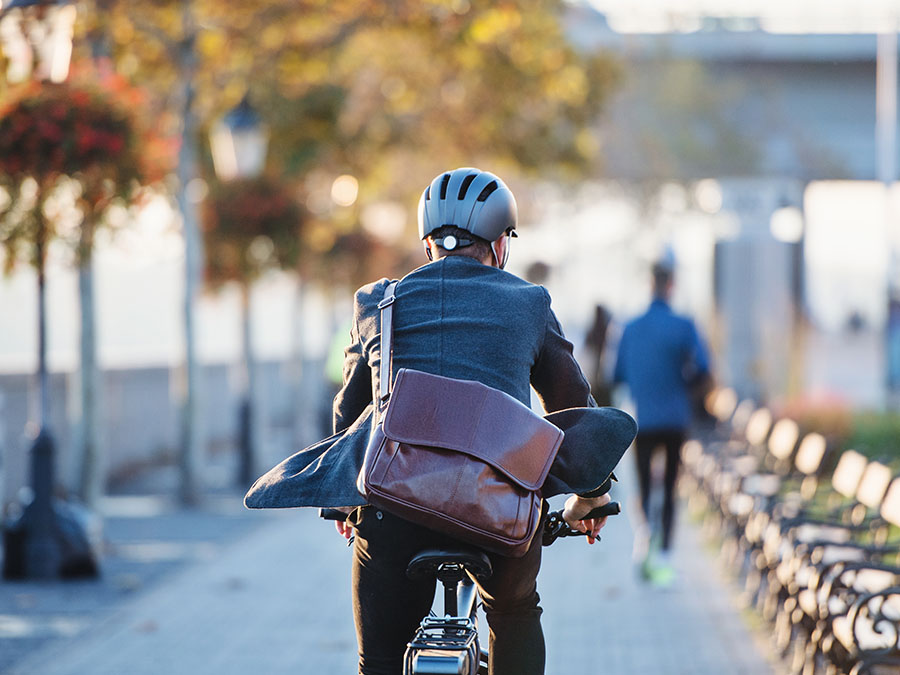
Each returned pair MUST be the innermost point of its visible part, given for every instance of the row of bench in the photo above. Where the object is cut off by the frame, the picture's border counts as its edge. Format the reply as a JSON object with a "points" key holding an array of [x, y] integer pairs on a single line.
{"points": [[811, 532]]}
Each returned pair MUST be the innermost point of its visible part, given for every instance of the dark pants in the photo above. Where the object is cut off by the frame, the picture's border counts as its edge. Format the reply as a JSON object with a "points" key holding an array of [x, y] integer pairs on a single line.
{"points": [[646, 443], [388, 607]]}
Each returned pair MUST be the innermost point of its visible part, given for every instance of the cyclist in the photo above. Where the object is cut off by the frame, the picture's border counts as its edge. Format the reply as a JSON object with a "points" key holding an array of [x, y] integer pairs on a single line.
{"points": [[461, 315]]}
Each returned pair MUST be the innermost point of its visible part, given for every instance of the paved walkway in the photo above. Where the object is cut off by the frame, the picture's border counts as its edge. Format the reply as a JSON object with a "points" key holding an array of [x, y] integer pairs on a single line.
{"points": [[276, 600]]}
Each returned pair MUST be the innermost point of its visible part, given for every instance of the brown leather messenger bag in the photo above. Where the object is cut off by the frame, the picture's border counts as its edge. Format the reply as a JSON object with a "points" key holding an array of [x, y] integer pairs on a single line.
{"points": [[456, 456]]}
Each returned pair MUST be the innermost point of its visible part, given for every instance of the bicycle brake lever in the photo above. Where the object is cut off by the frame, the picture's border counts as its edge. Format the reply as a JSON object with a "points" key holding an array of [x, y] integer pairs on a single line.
{"points": [[555, 527]]}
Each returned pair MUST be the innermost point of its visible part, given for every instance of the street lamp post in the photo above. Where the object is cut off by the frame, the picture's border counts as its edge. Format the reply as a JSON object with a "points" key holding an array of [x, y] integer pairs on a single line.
{"points": [[239, 143], [47, 541]]}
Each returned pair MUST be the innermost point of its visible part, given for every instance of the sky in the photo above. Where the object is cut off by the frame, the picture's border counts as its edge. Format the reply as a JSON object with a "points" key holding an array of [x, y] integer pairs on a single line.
{"points": [[776, 16]]}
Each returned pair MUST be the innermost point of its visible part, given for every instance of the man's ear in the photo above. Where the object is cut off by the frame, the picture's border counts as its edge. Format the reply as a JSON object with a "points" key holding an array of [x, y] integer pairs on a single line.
{"points": [[428, 249], [500, 249]]}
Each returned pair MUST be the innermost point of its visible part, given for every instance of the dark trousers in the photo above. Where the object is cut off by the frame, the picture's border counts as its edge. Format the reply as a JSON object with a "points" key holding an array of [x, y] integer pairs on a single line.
{"points": [[646, 444], [388, 607]]}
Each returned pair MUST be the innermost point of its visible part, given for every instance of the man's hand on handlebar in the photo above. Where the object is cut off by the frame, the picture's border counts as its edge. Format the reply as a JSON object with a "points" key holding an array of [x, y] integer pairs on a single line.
{"points": [[577, 507], [343, 528]]}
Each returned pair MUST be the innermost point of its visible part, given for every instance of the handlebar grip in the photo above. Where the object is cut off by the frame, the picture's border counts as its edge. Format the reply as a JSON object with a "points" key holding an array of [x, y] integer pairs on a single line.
{"points": [[609, 509], [332, 514]]}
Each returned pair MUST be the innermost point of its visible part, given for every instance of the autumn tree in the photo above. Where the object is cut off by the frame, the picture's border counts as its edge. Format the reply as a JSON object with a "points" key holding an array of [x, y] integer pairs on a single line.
{"points": [[390, 92], [69, 154]]}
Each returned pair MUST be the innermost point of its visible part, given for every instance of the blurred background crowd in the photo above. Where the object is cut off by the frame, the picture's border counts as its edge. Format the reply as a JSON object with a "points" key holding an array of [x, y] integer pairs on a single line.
{"points": [[190, 192]]}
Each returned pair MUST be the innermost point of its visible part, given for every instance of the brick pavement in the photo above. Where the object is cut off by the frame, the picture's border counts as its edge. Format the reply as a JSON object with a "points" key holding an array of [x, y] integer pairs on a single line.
{"points": [[277, 600]]}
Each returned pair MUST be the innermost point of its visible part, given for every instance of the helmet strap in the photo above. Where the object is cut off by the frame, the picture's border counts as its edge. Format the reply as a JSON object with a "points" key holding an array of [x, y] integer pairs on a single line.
{"points": [[501, 264]]}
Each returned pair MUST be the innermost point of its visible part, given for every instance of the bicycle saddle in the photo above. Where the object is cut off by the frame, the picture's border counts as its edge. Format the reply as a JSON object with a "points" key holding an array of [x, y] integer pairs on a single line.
{"points": [[425, 563]]}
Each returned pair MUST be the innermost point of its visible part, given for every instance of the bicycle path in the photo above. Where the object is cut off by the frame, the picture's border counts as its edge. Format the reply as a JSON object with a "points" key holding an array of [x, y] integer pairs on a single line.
{"points": [[277, 600]]}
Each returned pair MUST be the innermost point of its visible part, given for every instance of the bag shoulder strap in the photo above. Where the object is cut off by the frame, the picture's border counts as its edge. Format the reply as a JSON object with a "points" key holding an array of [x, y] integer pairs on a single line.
{"points": [[387, 334]]}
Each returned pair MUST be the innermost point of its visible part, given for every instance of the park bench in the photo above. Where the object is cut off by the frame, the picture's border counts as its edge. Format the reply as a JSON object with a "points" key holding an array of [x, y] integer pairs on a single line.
{"points": [[698, 454], [749, 485], [794, 547], [870, 632], [816, 557], [860, 617], [768, 498], [801, 550], [718, 467], [721, 405], [838, 577]]}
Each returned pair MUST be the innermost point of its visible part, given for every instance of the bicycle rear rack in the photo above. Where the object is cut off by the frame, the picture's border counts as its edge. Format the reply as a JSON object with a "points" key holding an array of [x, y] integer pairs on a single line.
{"points": [[443, 646]]}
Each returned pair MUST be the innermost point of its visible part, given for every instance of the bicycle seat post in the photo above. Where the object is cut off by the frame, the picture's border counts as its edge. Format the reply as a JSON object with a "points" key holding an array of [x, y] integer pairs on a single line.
{"points": [[450, 574]]}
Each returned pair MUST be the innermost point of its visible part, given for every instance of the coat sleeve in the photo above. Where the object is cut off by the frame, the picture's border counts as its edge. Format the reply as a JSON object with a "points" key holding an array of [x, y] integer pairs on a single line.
{"points": [[556, 375], [356, 392], [697, 356]]}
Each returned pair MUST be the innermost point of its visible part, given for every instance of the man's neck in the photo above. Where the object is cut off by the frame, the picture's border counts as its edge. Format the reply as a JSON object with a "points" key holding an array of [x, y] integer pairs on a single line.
{"points": [[488, 261]]}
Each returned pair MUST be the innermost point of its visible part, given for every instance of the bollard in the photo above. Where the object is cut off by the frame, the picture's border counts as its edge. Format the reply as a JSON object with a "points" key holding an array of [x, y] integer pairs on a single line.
{"points": [[48, 541]]}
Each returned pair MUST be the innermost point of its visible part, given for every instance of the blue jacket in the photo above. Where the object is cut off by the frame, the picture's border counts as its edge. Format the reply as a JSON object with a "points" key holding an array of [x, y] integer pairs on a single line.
{"points": [[660, 355], [458, 318]]}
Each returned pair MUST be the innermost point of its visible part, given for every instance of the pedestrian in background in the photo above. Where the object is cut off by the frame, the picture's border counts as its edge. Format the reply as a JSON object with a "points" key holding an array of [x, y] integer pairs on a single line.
{"points": [[662, 360], [597, 369]]}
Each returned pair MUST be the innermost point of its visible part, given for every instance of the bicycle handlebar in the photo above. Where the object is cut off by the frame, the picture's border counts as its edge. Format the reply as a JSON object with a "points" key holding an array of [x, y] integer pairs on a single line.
{"points": [[554, 526], [608, 509], [333, 514]]}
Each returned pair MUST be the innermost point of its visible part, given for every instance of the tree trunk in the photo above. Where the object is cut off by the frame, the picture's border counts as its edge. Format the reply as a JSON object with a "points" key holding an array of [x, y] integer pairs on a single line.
{"points": [[191, 446], [301, 419], [43, 383], [90, 482], [248, 417]]}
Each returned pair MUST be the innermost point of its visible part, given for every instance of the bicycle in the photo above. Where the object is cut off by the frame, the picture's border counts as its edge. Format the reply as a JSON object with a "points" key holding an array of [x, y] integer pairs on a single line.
{"points": [[447, 644]]}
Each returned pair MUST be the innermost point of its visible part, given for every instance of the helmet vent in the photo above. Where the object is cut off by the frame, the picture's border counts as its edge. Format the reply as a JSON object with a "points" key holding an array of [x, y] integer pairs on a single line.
{"points": [[444, 181], [427, 193], [488, 190], [467, 181]]}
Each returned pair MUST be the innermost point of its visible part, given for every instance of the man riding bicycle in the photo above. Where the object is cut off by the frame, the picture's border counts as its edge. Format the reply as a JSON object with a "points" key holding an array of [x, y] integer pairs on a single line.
{"points": [[460, 316]]}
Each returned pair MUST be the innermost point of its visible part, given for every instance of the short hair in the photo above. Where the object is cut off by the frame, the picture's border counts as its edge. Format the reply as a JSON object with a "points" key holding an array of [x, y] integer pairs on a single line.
{"points": [[662, 274], [479, 248]]}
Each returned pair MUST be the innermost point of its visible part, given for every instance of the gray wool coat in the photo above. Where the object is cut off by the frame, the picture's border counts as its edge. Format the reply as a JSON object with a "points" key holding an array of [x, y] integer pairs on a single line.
{"points": [[458, 318]]}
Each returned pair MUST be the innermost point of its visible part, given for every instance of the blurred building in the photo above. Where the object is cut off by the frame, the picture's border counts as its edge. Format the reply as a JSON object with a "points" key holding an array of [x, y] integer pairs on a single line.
{"points": [[770, 123], [798, 105]]}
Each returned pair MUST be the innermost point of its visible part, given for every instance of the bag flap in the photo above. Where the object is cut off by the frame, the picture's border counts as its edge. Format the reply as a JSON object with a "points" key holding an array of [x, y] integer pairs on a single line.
{"points": [[475, 419]]}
